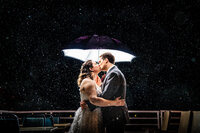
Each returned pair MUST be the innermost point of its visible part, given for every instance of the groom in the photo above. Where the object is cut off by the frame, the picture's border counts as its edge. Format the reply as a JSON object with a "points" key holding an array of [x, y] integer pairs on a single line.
{"points": [[113, 86]]}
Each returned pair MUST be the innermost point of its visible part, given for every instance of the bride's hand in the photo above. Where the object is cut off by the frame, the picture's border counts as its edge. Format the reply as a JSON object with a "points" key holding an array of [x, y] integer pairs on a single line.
{"points": [[119, 102], [83, 105]]}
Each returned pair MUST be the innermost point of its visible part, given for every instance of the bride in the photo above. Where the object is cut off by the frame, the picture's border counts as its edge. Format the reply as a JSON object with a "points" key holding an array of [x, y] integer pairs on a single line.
{"points": [[85, 120]]}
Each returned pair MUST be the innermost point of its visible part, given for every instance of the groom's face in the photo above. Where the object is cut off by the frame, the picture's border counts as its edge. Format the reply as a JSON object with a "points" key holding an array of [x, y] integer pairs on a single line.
{"points": [[102, 64]]}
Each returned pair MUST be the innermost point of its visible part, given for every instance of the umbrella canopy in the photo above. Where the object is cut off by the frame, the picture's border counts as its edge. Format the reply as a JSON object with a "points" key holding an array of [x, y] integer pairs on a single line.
{"points": [[91, 47]]}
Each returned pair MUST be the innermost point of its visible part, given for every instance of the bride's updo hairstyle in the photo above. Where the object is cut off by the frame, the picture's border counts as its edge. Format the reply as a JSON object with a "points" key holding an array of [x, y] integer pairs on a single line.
{"points": [[85, 71]]}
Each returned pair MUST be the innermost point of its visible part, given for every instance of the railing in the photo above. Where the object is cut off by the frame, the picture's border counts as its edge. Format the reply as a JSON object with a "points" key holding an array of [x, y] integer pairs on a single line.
{"points": [[175, 118], [144, 118], [137, 117], [160, 120]]}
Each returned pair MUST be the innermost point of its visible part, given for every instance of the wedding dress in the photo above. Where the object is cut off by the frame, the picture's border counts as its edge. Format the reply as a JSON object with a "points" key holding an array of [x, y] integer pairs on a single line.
{"points": [[86, 121]]}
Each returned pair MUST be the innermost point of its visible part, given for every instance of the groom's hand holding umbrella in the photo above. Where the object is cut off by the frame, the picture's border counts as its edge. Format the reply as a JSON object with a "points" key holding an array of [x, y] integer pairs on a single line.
{"points": [[98, 81]]}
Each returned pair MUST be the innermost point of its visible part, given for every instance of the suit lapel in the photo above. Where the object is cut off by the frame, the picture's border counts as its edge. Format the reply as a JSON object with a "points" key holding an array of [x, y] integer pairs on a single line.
{"points": [[104, 81], [103, 84]]}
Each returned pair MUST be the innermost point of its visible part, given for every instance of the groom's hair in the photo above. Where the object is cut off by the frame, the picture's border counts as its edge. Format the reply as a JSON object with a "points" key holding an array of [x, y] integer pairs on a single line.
{"points": [[109, 56]]}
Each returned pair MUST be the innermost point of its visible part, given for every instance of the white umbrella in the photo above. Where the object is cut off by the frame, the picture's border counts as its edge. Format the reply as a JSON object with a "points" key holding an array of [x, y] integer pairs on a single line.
{"points": [[93, 54], [91, 47]]}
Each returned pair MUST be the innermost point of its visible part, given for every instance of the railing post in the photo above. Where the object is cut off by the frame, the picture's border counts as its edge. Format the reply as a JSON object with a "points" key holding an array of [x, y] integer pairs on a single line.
{"points": [[158, 119]]}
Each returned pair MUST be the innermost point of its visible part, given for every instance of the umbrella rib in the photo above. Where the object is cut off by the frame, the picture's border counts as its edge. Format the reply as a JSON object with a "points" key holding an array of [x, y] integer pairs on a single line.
{"points": [[98, 55], [88, 56]]}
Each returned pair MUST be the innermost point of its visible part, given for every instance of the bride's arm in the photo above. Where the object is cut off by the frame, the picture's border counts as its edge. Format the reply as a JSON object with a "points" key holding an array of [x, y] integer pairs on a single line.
{"points": [[98, 101]]}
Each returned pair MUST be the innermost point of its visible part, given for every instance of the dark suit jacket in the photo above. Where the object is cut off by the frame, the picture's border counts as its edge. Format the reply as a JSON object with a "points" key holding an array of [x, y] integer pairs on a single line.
{"points": [[113, 86]]}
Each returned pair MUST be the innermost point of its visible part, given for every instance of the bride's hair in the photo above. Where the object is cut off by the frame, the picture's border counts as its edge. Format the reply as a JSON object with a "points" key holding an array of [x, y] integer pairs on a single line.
{"points": [[85, 71]]}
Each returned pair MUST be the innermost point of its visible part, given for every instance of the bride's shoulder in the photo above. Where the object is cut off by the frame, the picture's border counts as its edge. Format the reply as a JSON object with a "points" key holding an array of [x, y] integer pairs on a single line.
{"points": [[87, 81], [87, 85]]}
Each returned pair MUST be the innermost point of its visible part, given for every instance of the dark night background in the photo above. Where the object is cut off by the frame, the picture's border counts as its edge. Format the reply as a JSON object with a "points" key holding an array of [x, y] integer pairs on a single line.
{"points": [[163, 35]]}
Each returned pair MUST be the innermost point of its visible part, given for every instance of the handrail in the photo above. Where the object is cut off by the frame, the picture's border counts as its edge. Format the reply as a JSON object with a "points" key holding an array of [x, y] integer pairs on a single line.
{"points": [[69, 111], [38, 111], [159, 115]]}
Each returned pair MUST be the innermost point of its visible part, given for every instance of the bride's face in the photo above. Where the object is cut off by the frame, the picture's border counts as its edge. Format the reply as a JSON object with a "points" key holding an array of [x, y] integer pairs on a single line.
{"points": [[96, 68]]}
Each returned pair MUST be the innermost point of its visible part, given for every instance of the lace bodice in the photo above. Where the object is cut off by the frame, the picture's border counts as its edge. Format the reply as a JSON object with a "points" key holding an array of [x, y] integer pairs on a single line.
{"points": [[98, 88]]}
